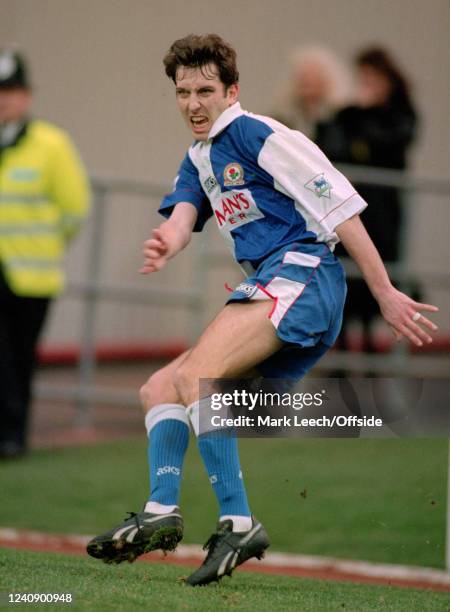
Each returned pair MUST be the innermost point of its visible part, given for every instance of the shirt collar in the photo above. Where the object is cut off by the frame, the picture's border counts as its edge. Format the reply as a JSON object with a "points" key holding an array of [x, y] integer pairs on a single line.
{"points": [[227, 117]]}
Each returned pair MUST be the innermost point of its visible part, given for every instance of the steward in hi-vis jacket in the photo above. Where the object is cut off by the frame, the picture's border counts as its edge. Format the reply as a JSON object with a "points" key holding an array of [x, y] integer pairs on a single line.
{"points": [[44, 199]]}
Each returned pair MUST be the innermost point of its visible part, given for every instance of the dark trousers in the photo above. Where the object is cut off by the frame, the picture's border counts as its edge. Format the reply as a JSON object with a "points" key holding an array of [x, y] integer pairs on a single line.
{"points": [[21, 320]]}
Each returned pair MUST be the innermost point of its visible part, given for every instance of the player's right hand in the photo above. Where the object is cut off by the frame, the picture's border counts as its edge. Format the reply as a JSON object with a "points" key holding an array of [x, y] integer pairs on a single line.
{"points": [[156, 253]]}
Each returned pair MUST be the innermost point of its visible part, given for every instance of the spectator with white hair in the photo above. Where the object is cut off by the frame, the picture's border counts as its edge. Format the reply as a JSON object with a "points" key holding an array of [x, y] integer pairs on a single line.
{"points": [[319, 86]]}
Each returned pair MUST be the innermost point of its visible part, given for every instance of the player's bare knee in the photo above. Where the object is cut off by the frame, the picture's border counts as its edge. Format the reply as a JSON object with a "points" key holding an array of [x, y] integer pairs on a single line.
{"points": [[153, 393], [180, 379], [145, 395], [186, 383]]}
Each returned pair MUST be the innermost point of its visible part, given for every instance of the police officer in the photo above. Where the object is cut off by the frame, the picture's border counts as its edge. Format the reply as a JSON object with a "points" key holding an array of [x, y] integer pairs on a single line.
{"points": [[44, 198]]}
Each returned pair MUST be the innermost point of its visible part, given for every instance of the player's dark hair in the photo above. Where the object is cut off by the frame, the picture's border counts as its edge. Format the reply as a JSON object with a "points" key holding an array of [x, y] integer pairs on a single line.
{"points": [[196, 51], [383, 62]]}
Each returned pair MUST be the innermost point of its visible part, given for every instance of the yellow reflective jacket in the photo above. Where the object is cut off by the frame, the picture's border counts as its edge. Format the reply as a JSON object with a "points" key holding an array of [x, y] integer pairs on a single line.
{"points": [[44, 197]]}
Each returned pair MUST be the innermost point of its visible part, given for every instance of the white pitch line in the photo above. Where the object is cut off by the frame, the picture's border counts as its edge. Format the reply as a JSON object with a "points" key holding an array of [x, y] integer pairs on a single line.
{"points": [[364, 569]]}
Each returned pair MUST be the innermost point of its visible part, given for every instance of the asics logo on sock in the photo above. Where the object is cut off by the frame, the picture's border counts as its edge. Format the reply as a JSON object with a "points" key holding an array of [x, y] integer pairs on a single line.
{"points": [[213, 479], [168, 469]]}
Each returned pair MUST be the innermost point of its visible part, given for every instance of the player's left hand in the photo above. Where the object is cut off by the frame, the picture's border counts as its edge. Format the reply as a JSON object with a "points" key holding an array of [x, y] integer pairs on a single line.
{"points": [[404, 317]]}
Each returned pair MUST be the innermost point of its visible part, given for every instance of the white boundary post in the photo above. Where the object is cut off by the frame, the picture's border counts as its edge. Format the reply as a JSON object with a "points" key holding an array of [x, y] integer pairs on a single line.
{"points": [[447, 550]]}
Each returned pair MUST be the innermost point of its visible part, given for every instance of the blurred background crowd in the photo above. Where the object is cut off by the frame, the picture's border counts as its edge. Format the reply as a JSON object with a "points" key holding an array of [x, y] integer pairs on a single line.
{"points": [[361, 114]]}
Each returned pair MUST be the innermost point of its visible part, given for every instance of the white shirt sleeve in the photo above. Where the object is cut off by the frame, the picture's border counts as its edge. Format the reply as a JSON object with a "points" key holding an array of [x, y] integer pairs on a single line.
{"points": [[322, 195]]}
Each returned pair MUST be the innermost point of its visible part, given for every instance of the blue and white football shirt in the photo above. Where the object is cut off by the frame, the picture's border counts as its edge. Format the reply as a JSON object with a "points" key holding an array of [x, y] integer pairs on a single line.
{"points": [[267, 186]]}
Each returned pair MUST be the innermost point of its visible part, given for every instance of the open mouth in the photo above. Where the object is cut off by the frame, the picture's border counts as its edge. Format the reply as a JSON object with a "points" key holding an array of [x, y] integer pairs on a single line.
{"points": [[199, 122]]}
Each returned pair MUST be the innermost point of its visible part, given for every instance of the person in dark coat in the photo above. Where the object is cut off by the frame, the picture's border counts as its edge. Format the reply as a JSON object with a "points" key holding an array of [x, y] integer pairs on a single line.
{"points": [[376, 131]]}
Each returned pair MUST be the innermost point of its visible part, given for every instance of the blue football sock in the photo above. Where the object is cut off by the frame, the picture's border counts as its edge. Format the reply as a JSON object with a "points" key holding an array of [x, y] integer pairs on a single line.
{"points": [[168, 431], [219, 451]]}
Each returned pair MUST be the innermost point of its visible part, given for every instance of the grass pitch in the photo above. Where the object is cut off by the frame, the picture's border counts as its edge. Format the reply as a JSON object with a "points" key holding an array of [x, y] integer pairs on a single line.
{"points": [[378, 500], [159, 587]]}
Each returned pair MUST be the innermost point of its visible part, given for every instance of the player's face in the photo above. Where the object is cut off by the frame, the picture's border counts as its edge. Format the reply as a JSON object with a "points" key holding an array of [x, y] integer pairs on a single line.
{"points": [[202, 97], [14, 104]]}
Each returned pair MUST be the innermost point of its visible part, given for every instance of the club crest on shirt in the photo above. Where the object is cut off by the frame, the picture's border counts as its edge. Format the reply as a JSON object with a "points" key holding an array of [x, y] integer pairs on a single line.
{"points": [[233, 174], [320, 186]]}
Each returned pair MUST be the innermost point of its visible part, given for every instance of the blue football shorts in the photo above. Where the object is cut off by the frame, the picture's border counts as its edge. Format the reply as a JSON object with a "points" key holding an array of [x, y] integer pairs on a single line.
{"points": [[306, 283]]}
